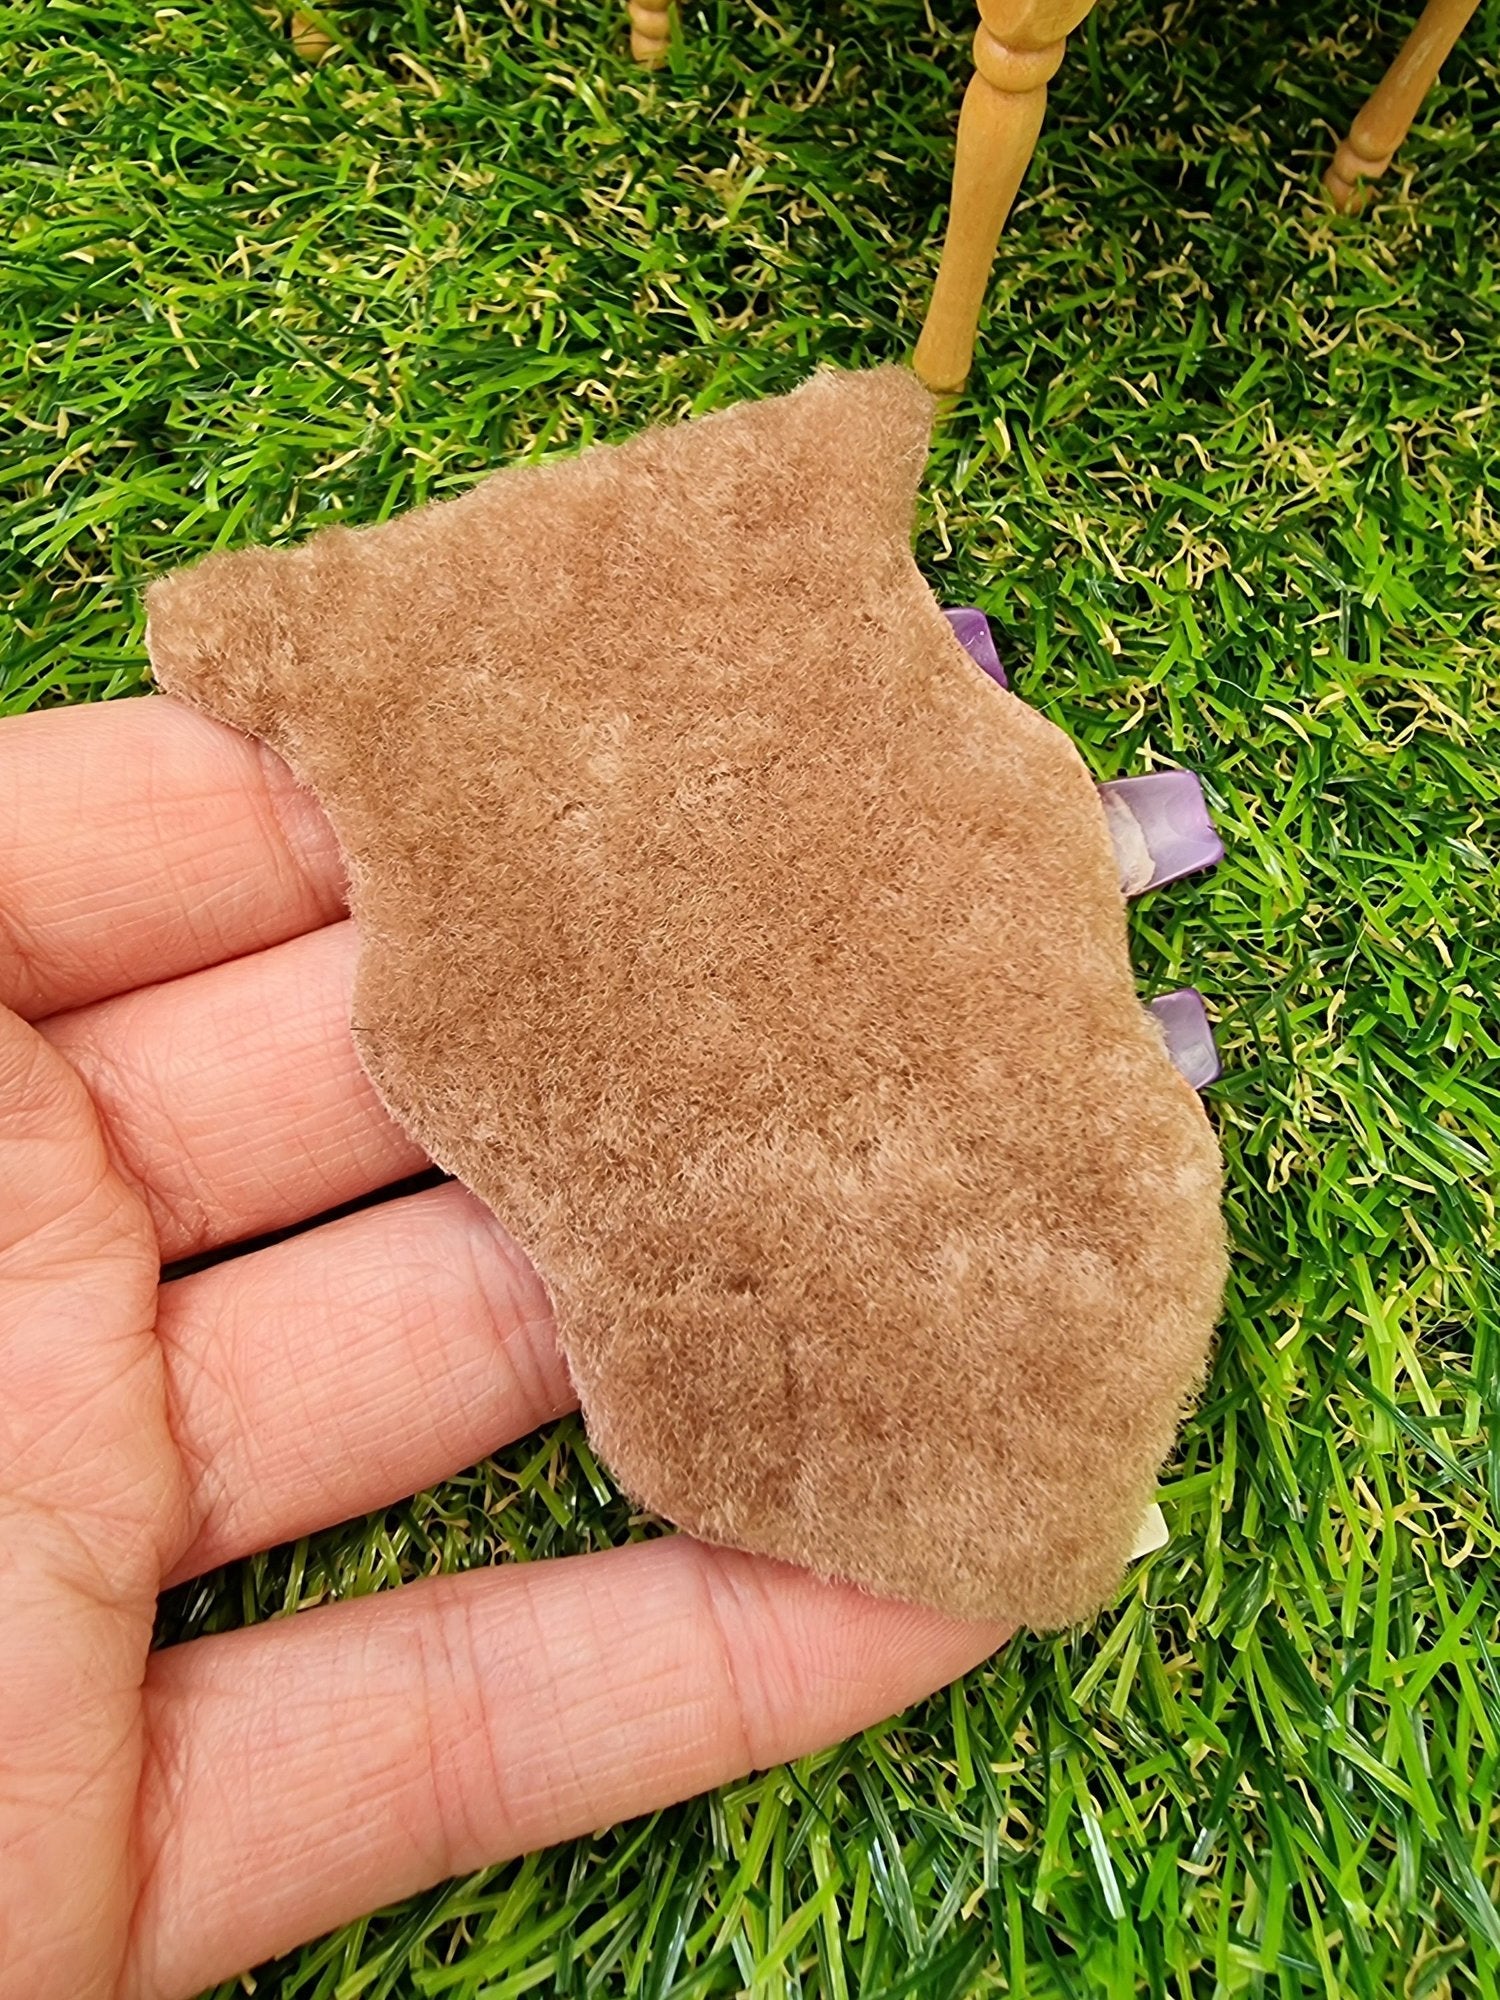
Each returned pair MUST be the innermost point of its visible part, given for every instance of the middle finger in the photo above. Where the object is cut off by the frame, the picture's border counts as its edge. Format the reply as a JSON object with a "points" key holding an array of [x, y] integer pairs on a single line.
{"points": [[349, 1366]]}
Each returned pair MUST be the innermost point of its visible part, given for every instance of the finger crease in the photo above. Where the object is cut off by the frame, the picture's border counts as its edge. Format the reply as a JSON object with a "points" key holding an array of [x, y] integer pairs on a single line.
{"points": [[27, 988], [270, 775], [712, 1585]]}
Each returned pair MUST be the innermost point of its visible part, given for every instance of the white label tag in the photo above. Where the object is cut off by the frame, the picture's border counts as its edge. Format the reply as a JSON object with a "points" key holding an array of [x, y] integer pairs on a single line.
{"points": [[1154, 1533]]}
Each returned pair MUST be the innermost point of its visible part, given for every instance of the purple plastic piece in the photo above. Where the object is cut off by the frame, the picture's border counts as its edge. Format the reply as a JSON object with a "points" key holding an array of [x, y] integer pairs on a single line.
{"points": [[972, 630], [1160, 827], [1183, 1020]]}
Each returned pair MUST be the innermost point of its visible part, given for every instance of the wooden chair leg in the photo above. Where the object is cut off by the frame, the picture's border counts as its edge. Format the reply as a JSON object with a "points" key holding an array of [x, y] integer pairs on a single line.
{"points": [[1016, 51], [310, 41], [1386, 119], [650, 30]]}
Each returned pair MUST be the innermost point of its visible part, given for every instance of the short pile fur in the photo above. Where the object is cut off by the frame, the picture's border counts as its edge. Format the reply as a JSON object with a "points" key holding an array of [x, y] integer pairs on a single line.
{"points": [[763, 966]]}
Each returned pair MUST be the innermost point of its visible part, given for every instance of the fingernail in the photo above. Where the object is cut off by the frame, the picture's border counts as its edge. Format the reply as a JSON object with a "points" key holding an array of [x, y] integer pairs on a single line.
{"points": [[972, 630], [1160, 828], [1183, 1020]]}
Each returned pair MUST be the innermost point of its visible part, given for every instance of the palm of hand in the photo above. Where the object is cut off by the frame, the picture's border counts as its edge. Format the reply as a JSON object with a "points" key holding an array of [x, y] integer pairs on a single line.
{"points": [[170, 917]]}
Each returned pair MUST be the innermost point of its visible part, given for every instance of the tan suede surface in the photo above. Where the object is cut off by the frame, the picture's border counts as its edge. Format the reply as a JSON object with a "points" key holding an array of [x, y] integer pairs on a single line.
{"points": [[763, 965]]}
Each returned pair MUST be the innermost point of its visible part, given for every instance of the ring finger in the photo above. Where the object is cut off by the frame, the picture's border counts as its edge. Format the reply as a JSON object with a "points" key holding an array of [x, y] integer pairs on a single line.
{"points": [[234, 1097]]}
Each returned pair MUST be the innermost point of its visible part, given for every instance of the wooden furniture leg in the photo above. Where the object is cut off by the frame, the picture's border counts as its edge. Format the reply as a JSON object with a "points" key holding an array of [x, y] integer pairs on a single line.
{"points": [[1386, 119], [1016, 51], [309, 40], [650, 30]]}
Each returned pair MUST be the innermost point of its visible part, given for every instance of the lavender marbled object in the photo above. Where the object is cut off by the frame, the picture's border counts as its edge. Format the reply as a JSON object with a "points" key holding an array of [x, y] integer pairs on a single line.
{"points": [[972, 630], [1160, 828], [1159, 823], [1183, 1020]]}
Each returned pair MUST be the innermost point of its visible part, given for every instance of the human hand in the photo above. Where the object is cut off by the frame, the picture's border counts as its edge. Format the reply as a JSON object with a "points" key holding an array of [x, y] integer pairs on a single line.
{"points": [[171, 919]]}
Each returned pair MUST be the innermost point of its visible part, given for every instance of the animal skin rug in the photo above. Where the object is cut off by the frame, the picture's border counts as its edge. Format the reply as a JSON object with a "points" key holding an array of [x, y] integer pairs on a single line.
{"points": [[763, 965]]}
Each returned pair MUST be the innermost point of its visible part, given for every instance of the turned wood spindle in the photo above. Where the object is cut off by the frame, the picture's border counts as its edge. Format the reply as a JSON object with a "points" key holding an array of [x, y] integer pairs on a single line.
{"points": [[1386, 118], [310, 41], [650, 30], [1016, 52]]}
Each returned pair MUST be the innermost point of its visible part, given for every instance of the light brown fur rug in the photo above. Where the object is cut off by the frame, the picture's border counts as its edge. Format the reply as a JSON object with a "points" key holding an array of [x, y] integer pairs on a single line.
{"points": [[763, 965]]}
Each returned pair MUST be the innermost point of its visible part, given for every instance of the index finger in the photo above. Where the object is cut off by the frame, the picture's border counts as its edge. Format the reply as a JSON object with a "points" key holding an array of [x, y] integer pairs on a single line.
{"points": [[140, 840], [301, 1772]]}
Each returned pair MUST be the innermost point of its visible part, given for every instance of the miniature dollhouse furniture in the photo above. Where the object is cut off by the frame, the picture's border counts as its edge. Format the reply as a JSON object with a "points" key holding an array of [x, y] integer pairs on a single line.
{"points": [[1017, 50]]}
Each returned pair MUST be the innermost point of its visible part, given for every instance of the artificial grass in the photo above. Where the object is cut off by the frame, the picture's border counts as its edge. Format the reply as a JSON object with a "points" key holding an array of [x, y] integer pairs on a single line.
{"points": [[1224, 477]]}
